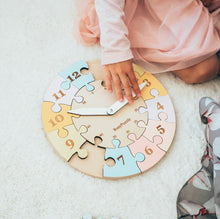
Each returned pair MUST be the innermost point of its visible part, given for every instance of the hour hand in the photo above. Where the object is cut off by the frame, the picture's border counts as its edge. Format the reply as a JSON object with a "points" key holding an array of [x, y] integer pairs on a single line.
{"points": [[90, 111], [103, 111], [118, 105]]}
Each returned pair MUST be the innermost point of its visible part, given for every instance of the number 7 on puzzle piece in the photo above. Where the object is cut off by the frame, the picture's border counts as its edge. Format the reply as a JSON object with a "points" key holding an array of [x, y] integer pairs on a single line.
{"points": [[125, 162]]}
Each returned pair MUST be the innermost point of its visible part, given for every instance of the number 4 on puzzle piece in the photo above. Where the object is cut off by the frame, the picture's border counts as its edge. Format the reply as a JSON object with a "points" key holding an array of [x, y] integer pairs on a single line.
{"points": [[73, 76], [125, 162], [157, 105]]}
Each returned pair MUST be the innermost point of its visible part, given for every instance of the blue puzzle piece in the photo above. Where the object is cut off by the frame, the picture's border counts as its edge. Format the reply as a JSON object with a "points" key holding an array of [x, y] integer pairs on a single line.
{"points": [[89, 216], [73, 75], [125, 162]]}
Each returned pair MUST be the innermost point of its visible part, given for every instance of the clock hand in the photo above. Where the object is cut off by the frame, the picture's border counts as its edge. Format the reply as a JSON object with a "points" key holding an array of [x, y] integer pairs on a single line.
{"points": [[90, 111], [103, 111], [118, 105]]}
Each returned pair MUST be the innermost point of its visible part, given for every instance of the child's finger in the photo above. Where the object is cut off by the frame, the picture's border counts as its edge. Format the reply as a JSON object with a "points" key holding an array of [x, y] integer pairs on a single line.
{"points": [[108, 78], [127, 88], [118, 89], [134, 83]]}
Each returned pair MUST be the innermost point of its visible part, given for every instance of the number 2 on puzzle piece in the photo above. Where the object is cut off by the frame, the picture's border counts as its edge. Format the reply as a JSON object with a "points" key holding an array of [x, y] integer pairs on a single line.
{"points": [[125, 162], [73, 76]]}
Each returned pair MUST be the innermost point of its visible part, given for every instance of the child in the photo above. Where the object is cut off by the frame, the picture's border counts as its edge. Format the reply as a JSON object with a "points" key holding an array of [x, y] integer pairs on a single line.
{"points": [[172, 35]]}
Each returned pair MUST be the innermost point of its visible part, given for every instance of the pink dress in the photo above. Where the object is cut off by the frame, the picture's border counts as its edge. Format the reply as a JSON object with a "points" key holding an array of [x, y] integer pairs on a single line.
{"points": [[159, 35]]}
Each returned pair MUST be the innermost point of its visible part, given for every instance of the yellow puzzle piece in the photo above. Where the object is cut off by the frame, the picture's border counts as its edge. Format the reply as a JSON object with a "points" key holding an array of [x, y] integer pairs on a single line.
{"points": [[56, 121], [151, 83]]}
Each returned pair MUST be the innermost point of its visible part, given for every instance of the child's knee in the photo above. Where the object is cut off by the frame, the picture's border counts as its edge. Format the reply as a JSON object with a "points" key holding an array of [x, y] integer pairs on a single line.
{"points": [[202, 72]]}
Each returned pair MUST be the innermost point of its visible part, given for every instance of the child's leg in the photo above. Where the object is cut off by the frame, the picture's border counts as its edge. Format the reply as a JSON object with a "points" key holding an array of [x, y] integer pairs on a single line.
{"points": [[202, 72]]}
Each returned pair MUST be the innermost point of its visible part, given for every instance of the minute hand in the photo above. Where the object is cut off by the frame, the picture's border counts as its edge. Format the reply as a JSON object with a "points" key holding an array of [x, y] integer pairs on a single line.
{"points": [[118, 105]]}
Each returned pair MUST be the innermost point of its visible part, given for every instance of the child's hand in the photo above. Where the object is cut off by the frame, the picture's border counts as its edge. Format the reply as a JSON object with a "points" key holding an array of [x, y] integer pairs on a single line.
{"points": [[122, 75], [206, 3]]}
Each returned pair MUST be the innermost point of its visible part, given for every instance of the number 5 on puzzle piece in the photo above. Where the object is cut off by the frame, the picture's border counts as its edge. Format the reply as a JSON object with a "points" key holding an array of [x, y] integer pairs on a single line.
{"points": [[125, 162], [73, 76], [164, 129], [71, 144]]}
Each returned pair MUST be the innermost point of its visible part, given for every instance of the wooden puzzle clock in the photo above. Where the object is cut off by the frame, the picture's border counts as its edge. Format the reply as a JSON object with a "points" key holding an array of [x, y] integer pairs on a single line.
{"points": [[101, 136]]}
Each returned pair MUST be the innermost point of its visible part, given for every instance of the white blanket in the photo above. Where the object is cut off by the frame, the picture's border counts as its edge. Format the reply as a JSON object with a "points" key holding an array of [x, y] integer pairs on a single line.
{"points": [[36, 43]]}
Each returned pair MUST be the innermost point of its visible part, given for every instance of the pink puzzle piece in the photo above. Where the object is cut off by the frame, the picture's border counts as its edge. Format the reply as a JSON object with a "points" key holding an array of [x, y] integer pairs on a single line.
{"points": [[149, 148], [58, 96], [164, 129]]}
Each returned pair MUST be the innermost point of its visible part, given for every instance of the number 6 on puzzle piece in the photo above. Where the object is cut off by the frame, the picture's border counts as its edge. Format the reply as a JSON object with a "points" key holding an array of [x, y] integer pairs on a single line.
{"points": [[149, 148]]}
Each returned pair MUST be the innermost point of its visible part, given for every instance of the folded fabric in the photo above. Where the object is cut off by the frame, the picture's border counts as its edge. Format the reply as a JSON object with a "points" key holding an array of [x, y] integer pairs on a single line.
{"points": [[199, 198]]}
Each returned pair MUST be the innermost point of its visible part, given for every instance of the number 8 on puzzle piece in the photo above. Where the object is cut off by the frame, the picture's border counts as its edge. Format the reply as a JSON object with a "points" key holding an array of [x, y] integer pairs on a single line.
{"points": [[125, 162], [73, 76]]}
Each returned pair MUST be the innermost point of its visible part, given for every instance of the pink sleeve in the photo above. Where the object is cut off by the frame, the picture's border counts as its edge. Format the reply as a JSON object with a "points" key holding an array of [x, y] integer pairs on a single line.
{"points": [[114, 33]]}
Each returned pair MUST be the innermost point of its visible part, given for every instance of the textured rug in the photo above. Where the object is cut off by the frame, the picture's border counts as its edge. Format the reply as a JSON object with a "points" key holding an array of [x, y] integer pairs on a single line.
{"points": [[36, 43]]}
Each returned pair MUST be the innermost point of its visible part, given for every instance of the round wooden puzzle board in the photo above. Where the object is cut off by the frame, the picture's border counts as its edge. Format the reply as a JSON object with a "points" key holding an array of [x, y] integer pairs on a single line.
{"points": [[107, 146]]}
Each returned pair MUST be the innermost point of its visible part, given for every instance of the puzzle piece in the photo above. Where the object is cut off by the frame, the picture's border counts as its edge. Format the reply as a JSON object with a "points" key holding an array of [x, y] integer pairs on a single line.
{"points": [[58, 96], [164, 129], [147, 147], [73, 75], [125, 162], [110, 126], [93, 164], [69, 145], [139, 70], [97, 70], [152, 83], [56, 121], [89, 216], [157, 105]]}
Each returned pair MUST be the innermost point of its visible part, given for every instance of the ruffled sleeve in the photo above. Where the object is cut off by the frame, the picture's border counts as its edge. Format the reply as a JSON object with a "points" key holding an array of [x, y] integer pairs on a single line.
{"points": [[114, 32]]}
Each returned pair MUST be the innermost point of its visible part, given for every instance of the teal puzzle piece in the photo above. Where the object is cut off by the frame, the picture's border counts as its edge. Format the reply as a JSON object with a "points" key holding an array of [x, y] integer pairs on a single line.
{"points": [[125, 162], [89, 216], [73, 76]]}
